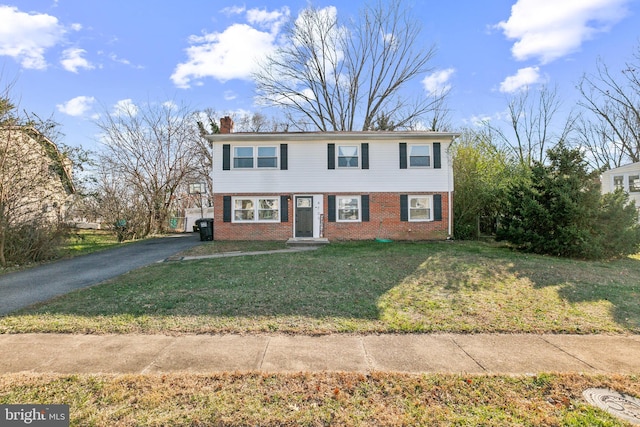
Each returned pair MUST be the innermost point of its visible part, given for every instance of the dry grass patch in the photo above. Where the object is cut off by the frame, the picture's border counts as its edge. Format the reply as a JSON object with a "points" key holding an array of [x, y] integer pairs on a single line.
{"points": [[239, 399]]}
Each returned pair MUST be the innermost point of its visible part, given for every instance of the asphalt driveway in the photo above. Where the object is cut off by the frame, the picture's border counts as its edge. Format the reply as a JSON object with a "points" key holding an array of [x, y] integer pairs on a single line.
{"points": [[23, 288]]}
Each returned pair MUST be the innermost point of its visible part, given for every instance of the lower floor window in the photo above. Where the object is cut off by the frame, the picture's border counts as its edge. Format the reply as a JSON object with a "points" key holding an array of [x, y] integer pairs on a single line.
{"points": [[348, 208], [420, 208], [256, 209]]}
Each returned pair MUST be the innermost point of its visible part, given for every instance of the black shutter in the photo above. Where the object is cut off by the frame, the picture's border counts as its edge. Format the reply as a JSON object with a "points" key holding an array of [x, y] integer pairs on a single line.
{"points": [[364, 200], [331, 156], [226, 157], [284, 209], [436, 155], [437, 207], [404, 207], [331, 213], [364, 147], [284, 157], [403, 155], [226, 209]]}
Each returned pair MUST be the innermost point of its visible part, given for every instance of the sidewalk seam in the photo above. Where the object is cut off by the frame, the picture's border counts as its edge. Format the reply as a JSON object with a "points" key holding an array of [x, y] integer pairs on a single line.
{"points": [[568, 354], [367, 357], [157, 356], [264, 353], [469, 355]]}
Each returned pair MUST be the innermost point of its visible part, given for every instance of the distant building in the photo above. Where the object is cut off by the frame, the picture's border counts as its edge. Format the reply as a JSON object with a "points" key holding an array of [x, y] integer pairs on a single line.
{"points": [[625, 177], [37, 177]]}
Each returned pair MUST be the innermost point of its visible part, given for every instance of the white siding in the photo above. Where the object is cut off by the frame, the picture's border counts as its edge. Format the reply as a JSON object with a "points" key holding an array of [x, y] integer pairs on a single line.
{"points": [[308, 173]]}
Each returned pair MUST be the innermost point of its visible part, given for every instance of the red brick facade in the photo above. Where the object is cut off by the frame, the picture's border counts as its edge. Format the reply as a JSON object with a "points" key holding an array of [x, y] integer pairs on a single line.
{"points": [[384, 222]]}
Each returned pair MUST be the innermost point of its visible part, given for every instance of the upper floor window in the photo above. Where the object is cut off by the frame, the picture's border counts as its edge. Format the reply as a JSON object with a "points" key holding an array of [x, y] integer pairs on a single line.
{"points": [[634, 183], [251, 157], [419, 156], [348, 156], [618, 182]]}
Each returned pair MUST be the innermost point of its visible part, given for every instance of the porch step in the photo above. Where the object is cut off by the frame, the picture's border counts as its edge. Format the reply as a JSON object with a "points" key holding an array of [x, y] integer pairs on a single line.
{"points": [[307, 241]]}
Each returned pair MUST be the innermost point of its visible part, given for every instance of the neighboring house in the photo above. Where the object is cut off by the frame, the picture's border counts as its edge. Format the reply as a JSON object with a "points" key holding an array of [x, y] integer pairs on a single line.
{"points": [[333, 185], [35, 176], [625, 177]]}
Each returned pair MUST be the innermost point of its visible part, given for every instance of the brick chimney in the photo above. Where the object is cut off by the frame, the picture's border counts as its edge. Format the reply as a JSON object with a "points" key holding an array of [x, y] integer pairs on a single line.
{"points": [[226, 125]]}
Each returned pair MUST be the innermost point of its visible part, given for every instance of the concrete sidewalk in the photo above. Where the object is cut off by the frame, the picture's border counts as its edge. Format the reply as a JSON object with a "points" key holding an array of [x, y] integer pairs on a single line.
{"points": [[438, 353]]}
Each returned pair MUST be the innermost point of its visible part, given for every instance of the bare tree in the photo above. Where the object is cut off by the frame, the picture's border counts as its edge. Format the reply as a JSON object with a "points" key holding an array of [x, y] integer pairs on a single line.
{"points": [[155, 149], [533, 125], [332, 76], [615, 101], [598, 142]]}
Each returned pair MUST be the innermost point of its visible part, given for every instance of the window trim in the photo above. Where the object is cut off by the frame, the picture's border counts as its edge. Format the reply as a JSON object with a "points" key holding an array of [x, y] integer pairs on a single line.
{"points": [[634, 186], [621, 179], [429, 207], [256, 209], [255, 156], [429, 156], [358, 199], [357, 156]]}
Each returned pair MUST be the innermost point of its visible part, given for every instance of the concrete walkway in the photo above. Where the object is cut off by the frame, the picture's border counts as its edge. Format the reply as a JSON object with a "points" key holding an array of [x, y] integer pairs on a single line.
{"points": [[438, 353]]}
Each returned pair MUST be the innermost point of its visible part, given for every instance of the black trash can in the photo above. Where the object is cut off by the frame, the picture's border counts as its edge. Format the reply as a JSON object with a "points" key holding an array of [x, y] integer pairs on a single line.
{"points": [[205, 225]]}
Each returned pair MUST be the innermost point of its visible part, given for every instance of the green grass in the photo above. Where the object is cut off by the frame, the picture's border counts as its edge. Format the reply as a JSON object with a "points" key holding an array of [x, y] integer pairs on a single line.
{"points": [[345, 399], [80, 242], [362, 287]]}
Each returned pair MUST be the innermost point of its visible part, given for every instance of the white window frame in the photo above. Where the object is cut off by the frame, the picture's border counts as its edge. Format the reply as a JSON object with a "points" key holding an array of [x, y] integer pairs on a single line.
{"points": [[429, 156], [429, 207], [634, 184], [357, 156], [255, 156], [256, 209], [620, 183], [339, 208]]}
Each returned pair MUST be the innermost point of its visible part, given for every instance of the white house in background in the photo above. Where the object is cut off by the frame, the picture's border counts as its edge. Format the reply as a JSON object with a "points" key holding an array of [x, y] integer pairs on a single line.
{"points": [[331, 185], [626, 177]]}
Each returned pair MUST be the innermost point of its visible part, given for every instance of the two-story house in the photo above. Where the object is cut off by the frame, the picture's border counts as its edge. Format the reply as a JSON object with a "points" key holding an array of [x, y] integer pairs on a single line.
{"points": [[331, 185], [625, 177]]}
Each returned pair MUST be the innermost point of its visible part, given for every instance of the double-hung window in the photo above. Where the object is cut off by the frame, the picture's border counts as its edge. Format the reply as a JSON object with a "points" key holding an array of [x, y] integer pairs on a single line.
{"points": [[419, 156], [267, 157], [618, 182], [348, 208], [255, 157], [420, 208], [634, 183], [348, 156], [256, 209]]}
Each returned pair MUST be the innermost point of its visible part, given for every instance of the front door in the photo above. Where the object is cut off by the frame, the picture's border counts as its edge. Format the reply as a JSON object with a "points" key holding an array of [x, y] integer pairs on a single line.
{"points": [[304, 216]]}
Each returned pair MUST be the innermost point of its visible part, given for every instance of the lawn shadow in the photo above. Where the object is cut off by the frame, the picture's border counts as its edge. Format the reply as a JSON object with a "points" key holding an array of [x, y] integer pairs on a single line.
{"points": [[343, 280]]}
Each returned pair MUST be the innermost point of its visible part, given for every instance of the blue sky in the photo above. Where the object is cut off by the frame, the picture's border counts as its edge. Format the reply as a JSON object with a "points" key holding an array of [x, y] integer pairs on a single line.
{"points": [[77, 59]]}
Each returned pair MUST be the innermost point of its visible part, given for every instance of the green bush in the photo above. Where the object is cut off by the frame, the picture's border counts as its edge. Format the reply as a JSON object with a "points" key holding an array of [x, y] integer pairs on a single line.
{"points": [[559, 211]]}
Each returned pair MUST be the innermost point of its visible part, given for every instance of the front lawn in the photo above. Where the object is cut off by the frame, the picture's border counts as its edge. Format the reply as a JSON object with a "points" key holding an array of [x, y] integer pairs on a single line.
{"points": [[357, 287]]}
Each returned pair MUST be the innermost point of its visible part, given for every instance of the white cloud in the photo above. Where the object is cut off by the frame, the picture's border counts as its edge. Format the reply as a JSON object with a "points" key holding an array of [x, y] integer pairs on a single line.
{"points": [[233, 10], [77, 106], [550, 29], [125, 107], [72, 60], [231, 54], [521, 80], [438, 82], [26, 36]]}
